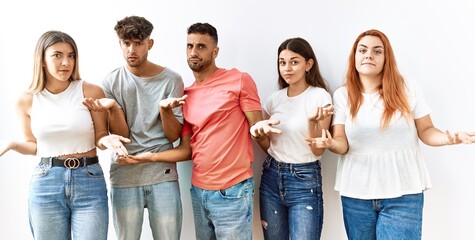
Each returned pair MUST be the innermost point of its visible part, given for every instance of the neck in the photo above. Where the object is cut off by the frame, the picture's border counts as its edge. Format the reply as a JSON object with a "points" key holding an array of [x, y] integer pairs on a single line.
{"points": [[146, 69], [297, 88], [205, 73], [371, 84], [55, 86]]}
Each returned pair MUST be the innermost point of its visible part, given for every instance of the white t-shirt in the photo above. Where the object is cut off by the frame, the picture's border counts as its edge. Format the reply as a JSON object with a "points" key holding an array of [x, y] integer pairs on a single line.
{"points": [[380, 163], [290, 145]]}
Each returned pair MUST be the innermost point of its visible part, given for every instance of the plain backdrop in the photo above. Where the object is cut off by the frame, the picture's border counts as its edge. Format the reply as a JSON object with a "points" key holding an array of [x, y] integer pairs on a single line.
{"points": [[433, 42]]}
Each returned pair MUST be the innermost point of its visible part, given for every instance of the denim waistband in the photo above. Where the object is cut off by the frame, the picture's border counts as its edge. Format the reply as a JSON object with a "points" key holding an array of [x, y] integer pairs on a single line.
{"points": [[283, 166]]}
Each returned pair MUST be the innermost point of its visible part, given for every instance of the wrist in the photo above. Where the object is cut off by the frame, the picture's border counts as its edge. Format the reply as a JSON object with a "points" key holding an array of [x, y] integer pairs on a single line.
{"points": [[260, 138]]}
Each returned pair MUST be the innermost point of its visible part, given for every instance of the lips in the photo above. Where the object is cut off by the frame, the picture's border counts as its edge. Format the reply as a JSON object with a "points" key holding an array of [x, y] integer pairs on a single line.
{"points": [[287, 75]]}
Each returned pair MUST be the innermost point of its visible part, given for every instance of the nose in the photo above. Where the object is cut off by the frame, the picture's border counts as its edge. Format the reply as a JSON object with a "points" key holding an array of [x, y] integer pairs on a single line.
{"points": [[193, 51], [287, 68], [65, 61]]}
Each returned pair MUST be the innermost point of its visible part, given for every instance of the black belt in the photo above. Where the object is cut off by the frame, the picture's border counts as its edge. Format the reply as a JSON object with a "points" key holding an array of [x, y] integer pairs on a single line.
{"points": [[71, 162]]}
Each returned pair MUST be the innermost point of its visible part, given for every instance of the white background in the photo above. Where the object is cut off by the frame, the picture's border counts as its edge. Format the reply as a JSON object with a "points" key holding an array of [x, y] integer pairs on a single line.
{"points": [[434, 43]]}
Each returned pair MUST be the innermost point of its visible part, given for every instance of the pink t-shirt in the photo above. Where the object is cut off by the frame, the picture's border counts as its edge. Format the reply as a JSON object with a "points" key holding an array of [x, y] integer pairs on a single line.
{"points": [[221, 143]]}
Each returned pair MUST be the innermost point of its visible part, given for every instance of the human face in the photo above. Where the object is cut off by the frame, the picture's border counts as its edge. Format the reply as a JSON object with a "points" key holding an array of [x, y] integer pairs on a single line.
{"points": [[59, 61], [293, 67], [201, 50], [369, 56], [135, 51]]}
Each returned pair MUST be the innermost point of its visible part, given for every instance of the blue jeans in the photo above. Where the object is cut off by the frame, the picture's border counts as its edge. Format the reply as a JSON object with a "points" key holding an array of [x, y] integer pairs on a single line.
{"points": [[223, 214], [163, 202], [64, 201], [392, 218], [291, 200]]}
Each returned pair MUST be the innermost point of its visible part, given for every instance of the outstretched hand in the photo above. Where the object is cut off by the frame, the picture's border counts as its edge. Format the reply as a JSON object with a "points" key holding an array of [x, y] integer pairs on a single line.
{"points": [[173, 102], [115, 143], [321, 113], [5, 146], [264, 127], [325, 141], [132, 160], [98, 105], [460, 137]]}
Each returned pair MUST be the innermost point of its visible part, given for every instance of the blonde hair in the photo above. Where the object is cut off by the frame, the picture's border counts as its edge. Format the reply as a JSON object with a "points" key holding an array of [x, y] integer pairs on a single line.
{"points": [[46, 40]]}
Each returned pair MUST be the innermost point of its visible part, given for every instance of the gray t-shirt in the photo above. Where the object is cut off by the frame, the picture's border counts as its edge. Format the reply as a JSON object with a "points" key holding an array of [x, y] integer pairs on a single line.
{"points": [[139, 98]]}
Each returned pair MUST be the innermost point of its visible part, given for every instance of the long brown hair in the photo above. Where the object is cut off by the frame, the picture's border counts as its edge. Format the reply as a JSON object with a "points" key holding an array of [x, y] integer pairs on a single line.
{"points": [[302, 47], [393, 86]]}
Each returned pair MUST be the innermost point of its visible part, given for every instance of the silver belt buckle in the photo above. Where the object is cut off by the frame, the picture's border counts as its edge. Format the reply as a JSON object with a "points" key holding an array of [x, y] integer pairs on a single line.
{"points": [[72, 163]]}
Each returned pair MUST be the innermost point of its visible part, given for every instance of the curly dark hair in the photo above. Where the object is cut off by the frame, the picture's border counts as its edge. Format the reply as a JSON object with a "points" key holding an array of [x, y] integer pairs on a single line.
{"points": [[133, 27]]}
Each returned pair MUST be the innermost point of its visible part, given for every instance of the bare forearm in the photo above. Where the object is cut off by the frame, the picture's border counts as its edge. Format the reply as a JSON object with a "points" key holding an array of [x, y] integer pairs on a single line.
{"points": [[172, 155], [117, 122], [171, 126], [339, 146], [27, 148], [264, 142], [433, 137]]}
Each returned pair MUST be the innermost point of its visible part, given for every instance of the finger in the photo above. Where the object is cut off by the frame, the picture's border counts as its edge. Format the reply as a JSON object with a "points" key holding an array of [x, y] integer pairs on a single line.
{"points": [[271, 122], [324, 135], [329, 135], [124, 140], [275, 130]]}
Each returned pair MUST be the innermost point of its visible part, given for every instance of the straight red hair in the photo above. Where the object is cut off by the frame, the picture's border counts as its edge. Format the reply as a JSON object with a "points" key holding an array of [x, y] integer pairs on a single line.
{"points": [[393, 86]]}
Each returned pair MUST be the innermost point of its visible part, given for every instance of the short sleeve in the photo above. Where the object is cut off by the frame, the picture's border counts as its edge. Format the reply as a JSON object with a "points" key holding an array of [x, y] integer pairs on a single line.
{"points": [[249, 97], [340, 102], [417, 101], [186, 129]]}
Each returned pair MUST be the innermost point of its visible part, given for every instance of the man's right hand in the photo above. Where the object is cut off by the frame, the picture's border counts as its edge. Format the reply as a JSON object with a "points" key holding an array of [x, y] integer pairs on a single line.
{"points": [[170, 103]]}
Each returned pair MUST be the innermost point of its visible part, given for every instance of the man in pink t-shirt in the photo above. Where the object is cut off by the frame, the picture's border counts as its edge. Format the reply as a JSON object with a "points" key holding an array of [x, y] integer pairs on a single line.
{"points": [[220, 106]]}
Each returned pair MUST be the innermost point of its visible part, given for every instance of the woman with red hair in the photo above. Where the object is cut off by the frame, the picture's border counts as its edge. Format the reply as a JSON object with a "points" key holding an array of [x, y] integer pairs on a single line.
{"points": [[379, 117]]}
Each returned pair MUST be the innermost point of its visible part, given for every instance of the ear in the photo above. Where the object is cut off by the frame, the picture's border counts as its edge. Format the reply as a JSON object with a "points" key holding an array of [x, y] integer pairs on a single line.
{"points": [[150, 44], [309, 65], [215, 52]]}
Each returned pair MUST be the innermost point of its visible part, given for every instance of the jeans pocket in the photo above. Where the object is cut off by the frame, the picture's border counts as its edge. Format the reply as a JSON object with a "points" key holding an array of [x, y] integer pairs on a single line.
{"points": [[94, 170], [306, 174], [239, 190], [41, 170]]}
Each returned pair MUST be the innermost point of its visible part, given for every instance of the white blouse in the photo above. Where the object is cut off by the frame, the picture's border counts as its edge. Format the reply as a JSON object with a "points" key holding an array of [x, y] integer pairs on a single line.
{"points": [[380, 163], [290, 145]]}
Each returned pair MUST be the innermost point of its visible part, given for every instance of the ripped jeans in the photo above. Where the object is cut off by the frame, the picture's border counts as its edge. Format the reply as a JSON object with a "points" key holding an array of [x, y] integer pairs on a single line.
{"points": [[291, 200]]}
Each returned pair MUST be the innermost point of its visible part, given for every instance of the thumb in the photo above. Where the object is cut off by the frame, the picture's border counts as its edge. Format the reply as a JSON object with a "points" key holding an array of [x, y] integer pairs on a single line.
{"points": [[125, 140], [273, 121]]}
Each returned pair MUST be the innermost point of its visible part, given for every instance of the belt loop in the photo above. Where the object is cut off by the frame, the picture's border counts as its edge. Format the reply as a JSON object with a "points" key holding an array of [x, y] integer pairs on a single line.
{"points": [[50, 162]]}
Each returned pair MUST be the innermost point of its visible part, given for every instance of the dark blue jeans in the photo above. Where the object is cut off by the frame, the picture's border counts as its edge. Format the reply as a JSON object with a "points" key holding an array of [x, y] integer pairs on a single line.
{"points": [[291, 200], [383, 219]]}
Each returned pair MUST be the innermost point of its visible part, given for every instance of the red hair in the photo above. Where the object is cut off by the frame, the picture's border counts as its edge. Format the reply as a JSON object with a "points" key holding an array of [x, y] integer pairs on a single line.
{"points": [[392, 89]]}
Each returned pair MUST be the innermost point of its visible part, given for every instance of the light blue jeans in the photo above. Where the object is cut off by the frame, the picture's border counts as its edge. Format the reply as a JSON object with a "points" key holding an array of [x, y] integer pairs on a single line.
{"points": [[224, 214], [163, 202], [291, 200], [64, 201], [383, 219]]}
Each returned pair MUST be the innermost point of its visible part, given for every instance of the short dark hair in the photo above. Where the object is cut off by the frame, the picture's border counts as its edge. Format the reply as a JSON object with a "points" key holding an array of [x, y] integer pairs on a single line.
{"points": [[133, 27], [204, 28]]}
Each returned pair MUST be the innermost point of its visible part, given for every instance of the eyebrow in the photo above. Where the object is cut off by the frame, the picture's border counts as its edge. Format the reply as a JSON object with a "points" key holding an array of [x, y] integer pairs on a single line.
{"points": [[291, 58], [362, 45]]}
